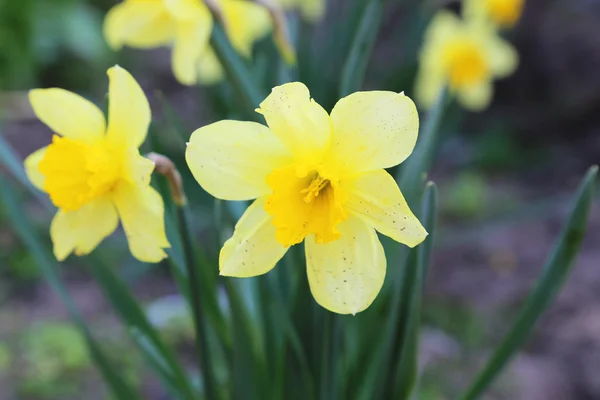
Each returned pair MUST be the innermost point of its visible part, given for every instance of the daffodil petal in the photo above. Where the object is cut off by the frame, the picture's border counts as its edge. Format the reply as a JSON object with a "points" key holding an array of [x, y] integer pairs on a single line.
{"points": [[210, 70], [429, 85], [31, 164], [373, 130], [253, 249], [190, 44], [245, 22], [476, 97], [375, 197], [313, 10], [503, 57], [82, 230], [346, 275], [142, 213], [128, 109], [68, 114], [142, 24], [298, 121], [231, 159]]}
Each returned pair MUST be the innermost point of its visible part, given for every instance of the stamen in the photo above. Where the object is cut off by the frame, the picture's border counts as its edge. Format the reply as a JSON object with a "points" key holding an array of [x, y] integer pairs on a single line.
{"points": [[313, 190]]}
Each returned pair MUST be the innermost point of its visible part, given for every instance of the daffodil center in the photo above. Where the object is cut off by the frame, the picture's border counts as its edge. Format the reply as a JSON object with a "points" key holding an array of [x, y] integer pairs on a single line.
{"points": [[504, 12], [304, 203], [465, 62], [312, 191], [77, 172]]}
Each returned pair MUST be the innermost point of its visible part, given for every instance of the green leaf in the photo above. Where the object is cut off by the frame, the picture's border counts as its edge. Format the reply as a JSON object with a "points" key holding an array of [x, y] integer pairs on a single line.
{"points": [[119, 387], [237, 71], [411, 173], [159, 356], [407, 364], [12, 162], [547, 287], [355, 67]]}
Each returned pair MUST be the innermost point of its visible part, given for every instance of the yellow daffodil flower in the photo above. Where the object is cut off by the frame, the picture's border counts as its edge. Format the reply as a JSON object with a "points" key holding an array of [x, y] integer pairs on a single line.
{"points": [[464, 56], [311, 10], [315, 177], [94, 173], [186, 25], [502, 13]]}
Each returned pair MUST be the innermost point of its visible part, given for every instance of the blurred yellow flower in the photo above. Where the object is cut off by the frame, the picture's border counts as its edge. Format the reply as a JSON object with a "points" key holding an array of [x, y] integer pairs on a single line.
{"points": [[94, 173], [502, 13], [315, 177], [464, 56], [311, 10], [186, 25]]}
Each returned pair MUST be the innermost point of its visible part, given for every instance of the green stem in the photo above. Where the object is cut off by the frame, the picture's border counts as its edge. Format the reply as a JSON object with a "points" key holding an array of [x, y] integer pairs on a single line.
{"points": [[204, 354], [410, 175], [328, 354]]}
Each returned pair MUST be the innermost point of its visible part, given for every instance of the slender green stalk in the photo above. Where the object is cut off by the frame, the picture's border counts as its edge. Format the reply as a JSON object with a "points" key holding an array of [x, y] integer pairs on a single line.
{"points": [[237, 72], [204, 353], [554, 275], [326, 353], [362, 46], [410, 174]]}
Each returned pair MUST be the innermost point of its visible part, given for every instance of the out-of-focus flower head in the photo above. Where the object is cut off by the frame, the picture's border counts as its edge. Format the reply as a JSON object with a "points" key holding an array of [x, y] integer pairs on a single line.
{"points": [[466, 56], [502, 13], [186, 25], [317, 178], [94, 173]]}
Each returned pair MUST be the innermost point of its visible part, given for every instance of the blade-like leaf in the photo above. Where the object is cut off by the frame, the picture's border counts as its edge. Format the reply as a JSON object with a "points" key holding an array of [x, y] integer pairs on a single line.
{"points": [[407, 364], [11, 161], [49, 268], [362, 47], [410, 173], [159, 356], [547, 287], [237, 71]]}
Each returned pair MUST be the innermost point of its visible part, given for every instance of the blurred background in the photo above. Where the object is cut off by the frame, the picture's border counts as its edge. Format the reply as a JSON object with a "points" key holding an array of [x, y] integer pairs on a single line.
{"points": [[505, 178]]}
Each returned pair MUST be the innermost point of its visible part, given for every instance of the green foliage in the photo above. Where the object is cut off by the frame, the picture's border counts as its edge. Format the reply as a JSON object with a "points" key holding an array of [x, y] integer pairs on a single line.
{"points": [[5, 357], [264, 337]]}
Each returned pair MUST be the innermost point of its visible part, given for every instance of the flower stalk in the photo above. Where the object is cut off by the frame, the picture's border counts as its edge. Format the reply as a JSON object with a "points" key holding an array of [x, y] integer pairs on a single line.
{"points": [[164, 166]]}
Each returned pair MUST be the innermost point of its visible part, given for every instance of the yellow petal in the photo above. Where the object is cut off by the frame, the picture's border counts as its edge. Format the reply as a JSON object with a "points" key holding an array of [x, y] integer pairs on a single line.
{"points": [[245, 23], [190, 45], [210, 70], [299, 122], [373, 130], [476, 97], [128, 109], [32, 163], [142, 24], [231, 159], [83, 230], [503, 57], [429, 84], [376, 198], [313, 10], [142, 213], [346, 275], [68, 114], [253, 249], [185, 9]]}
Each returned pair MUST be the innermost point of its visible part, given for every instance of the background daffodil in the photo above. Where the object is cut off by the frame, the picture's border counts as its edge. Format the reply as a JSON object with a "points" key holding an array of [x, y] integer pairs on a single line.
{"points": [[464, 55], [94, 173], [502, 13], [186, 25], [317, 177]]}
